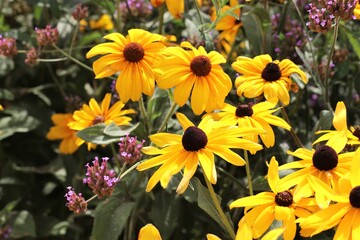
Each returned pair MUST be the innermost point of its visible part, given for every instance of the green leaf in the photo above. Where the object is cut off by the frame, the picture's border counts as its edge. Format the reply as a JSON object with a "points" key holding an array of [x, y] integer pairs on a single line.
{"points": [[23, 226], [104, 134], [111, 216], [9, 207], [6, 94], [89, 38], [205, 203], [355, 43], [324, 123]]}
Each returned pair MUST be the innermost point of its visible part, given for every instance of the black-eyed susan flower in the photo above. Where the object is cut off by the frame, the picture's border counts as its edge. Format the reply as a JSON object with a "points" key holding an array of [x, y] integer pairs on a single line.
{"points": [[263, 76], [341, 135], [344, 215], [94, 113], [196, 72], [262, 209], [196, 146], [229, 25], [324, 163], [149, 232], [61, 131], [132, 56], [258, 115]]}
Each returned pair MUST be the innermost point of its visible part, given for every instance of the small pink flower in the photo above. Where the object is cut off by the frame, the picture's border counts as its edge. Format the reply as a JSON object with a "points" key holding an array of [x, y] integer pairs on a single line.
{"points": [[46, 36], [75, 202], [8, 46]]}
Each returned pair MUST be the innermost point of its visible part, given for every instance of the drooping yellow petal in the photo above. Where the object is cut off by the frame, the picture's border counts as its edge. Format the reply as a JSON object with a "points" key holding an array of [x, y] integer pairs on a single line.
{"points": [[273, 174]]}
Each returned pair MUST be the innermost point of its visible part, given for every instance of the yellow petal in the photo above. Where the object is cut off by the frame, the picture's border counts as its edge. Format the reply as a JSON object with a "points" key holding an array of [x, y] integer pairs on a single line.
{"points": [[183, 120], [273, 174], [207, 163], [343, 231], [212, 237], [339, 120], [258, 199], [149, 232]]}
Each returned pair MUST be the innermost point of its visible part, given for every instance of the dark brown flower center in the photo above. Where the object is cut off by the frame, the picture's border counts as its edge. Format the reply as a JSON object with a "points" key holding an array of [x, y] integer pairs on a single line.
{"points": [[284, 199], [355, 197], [325, 158], [271, 72], [98, 119], [133, 52], [200, 66], [244, 110], [356, 132], [194, 139]]}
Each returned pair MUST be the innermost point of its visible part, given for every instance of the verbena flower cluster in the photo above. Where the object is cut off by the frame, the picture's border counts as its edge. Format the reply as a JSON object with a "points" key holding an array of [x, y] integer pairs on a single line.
{"points": [[75, 202], [130, 149], [8, 46]]}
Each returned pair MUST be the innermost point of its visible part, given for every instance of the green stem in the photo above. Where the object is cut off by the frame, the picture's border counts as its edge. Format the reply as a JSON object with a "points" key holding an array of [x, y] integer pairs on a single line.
{"points": [[92, 198], [167, 117], [115, 155], [161, 18], [224, 220], [73, 38], [327, 69], [72, 58], [129, 170], [201, 29], [144, 115], [292, 132], [248, 173]]}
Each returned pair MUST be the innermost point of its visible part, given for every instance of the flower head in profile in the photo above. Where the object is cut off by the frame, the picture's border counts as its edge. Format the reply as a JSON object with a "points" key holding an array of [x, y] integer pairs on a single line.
{"points": [[94, 113], [259, 115], [344, 215], [263, 76], [341, 135], [324, 163], [262, 209], [132, 56], [61, 131], [197, 145], [229, 25], [149, 232], [196, 72]]}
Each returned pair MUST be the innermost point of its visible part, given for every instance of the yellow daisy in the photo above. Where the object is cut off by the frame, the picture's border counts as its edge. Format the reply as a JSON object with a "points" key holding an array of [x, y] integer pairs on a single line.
{"points": [[133, 57], [229, 25], [325, 164], [345, 214], [93, 114], [341, 135], [196, 145], [263, 76], [149, 232], [259, 115], [197, 72], [61, 131], [262, 209]]}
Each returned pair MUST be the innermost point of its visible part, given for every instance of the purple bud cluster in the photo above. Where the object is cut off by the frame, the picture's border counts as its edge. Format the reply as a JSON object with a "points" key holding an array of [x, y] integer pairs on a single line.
{"points": [[75, 202], [46, 36], [31, 57], [291, 36], [138, 8], [130, 149], [340, 8], [320, 20], [99, 178], [8, 46], [81, 12], [115, 94]]}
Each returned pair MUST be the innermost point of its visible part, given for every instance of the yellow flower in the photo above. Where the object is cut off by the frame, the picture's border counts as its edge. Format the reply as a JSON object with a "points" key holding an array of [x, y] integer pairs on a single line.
{"points": [[262, 209], [262, 75], [357, 10], [93, 114], [257, 116], [175, 7], [229, 25], [61, 131], [103, 23], [149, 232], [133, 57], [345, 214], [325, 164], [1, 108], [341, 136], [197, 72], [196, 145]]}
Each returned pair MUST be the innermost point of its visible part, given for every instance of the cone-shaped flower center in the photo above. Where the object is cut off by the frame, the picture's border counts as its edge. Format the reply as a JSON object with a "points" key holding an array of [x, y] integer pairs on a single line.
{"points": [[271, 72], [356, 132], [244, 110], [133, 52], [284, 199], [194, 139], [325, 158], [98, 119], [355, 197], [200, 66]]}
